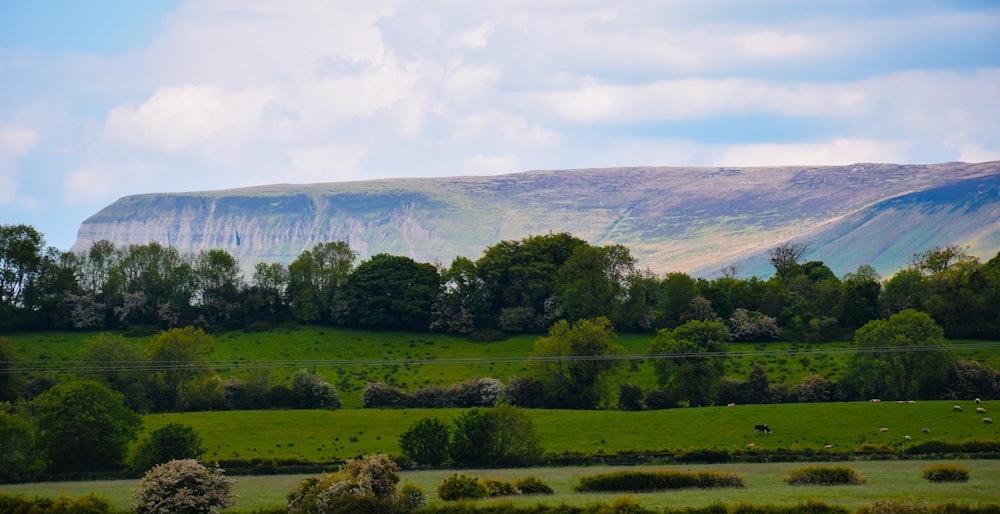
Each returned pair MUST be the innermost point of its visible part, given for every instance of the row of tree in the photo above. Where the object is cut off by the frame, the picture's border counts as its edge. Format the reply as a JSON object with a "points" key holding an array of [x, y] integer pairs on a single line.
{"points": [[516, 286]]}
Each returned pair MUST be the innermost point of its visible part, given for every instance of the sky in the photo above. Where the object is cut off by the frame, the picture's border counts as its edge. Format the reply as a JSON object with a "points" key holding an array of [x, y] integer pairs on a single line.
{"points": [[103, 99]]}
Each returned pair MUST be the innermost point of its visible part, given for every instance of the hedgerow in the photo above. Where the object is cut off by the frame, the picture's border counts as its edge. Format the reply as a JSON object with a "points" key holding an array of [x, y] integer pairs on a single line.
{"points": [[946, 473], [658, 481], [824, 475]]}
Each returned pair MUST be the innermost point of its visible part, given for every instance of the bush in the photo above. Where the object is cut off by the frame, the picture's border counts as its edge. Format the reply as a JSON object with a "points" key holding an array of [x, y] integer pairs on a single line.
{"points": [[183, 487], [824, 475], [380, 394], [426, 442], [630, 397], [367, 484], [86, 504], [310, 391], [495, 487], [411, 496], [500, 436], [532, 485], [457, 487], [946, 473], [657, 481], [172, 441]]}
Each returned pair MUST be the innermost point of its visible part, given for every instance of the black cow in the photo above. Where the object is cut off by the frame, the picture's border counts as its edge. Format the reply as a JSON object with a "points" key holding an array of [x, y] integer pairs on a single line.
{"points": [[761, 428]]}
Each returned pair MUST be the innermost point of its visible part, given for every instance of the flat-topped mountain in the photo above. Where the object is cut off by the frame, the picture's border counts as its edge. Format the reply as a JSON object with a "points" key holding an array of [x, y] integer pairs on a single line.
{"points": [[696, 220]]}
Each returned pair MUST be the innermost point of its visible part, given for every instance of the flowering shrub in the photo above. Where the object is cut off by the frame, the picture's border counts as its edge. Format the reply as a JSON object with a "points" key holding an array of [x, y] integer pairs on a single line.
{"points": [[380, 394], [370, 479], [183, 487], [312, 392]]}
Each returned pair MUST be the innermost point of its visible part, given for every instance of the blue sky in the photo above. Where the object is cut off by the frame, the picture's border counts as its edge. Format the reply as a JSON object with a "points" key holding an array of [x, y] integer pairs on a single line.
{"points": [[102, 99]]}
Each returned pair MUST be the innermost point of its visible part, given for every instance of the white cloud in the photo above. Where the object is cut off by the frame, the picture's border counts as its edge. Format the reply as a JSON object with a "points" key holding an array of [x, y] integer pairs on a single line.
{"points": [[473, 38], [768, 44], [830, 153], [15, 142], [326, 163], [482, 164]]}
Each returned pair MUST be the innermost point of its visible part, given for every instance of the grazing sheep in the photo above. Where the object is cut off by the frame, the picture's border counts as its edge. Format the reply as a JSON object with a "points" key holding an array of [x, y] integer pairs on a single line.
{"points": [[925, 430], [730, 405], [751, 445], [980, 410], [911, 402], [907, 438], [828, 446], [987, 421], [978, 400], [874, 400], [956, 408], [883, 429]]}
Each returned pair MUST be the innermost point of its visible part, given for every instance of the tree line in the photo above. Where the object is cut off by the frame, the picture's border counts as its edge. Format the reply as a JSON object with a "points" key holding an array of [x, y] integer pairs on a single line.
{"points": [[522, 286]]}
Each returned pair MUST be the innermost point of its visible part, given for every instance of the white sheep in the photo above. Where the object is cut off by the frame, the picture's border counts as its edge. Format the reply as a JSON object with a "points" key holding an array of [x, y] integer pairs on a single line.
{"points": [[827, 446], [987, 421], [751, 445], [980, 410], [978, 400], [883, 429], [874, 400], [956, 408], [730, 405], [907, 438], [925, 430]]}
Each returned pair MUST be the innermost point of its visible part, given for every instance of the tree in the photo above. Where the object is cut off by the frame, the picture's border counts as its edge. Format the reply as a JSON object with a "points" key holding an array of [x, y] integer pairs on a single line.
{"points": [[11, 381], [19, 458], [316, 281], [363, 485], [757, 388], [594, 281], [572, 362], [426, 442], [172, 441], [495, 437], [20, 257], [463, 304], [692, 360], [899, 357], [813, 388], [183, 487], [151, 284], [218, 282], [84, 426], [785, 258], [393, 292], [117, 363], [310, 391], [178, 356], [859, 303]]}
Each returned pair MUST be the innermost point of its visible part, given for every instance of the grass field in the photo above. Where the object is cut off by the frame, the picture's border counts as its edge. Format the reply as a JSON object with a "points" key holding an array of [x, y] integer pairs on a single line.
{"points": [[884, 479], [319, 435], [349, 359]]}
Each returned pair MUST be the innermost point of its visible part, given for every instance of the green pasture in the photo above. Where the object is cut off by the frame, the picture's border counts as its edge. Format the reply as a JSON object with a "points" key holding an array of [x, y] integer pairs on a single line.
{"points": [[323, 435], [765, 485], [349, 358]]}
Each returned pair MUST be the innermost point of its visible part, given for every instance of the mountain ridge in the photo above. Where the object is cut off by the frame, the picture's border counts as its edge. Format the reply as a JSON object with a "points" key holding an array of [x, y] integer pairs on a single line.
{"points": [[695, 220]]}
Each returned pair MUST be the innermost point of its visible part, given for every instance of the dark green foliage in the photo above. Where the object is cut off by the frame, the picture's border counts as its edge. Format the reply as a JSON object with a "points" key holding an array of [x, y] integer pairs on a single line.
{"points": [[630, 397], [84, 426], [496, 487], [642, 481], [500, 436], [86, 504], [699, 364], [824, 475], [11, 382], [392, 292], [426, 442], [576, 383], [169, 442], [311, 391], [458, 487], [532, 485], [945, 473], [19, 457]]}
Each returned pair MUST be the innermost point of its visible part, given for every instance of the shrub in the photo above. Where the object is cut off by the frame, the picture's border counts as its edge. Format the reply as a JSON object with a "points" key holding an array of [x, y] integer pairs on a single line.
{"points": [[411, 496], [380, 394], [500, 436], [630, 397], [657, 481], [888, 506], [367, 484], [183, 487], [946, 473], [169, 442], [86, 504], [824, 475], [457, 487], [426, 442], [532, 485], [495, 487], [310, 391]]}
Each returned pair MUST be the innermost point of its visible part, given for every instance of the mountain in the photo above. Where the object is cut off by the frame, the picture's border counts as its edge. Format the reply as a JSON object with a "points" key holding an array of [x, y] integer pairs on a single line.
{"points": [[696, 220]]}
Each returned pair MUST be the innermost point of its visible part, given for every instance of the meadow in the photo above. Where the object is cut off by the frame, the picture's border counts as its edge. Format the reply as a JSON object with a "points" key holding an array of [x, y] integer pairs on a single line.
{"points": [[350, 358], [765, 485]]}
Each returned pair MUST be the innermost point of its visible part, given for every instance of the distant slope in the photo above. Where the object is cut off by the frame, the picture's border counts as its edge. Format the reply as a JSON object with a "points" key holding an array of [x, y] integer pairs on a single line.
{"points": [[685, 219]]}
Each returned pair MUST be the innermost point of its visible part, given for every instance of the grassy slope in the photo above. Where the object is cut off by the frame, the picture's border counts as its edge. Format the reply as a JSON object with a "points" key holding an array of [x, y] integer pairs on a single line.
{"points": [[330, 435]]}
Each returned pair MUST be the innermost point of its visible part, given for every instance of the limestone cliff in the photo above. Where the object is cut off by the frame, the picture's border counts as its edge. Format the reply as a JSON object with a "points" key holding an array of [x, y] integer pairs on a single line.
{"points": [[696, 220]]}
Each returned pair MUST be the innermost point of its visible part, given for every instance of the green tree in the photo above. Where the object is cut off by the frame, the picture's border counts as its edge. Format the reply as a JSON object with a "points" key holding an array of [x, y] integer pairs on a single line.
{"points": [[20, 257], [495, 437], [218, 283], [310, 391], [860, 300], [316, 282], [573, 364], [691, 360], [594, 281], [172, 441], [900, 357], [84, 426], [177, 356], [151, 284], [11, 381], [19, 457], [118, 364], [183, 487], [393, 292], [463, 304], [426, 442]]}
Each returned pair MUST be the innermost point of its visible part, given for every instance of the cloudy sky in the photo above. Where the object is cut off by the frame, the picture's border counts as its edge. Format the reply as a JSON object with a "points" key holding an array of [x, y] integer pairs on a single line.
{"points": [[101, 99]]}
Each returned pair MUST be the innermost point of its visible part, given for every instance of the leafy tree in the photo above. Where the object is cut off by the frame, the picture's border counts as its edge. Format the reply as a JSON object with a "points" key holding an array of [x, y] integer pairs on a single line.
{"points": [[594, 281], [316, 281], [178, 356], [19, 457], [151, 284], [899, 357], [20, 258], [785, 258], [904, 290], [462, 305], [12, 382], [265, 298], [573, 364], [860, 300], [500, 436], [183, 487], [757, 388], [813, 388], [310, 391], [693, 360], [218, 282], [630, 396], [84, 426], [955, 286], [676, 292], [118, 364], [426, 442], [972, 379], [393, 292], [172, 441]]}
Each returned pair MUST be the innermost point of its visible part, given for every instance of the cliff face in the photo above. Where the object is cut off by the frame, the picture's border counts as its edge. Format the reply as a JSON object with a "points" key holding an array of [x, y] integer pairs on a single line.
{"points": [[696, 220]]}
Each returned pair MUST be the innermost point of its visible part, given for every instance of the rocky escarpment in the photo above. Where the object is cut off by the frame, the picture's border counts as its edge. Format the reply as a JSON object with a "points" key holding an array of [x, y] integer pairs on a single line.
{"points": [[696, 220]]}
